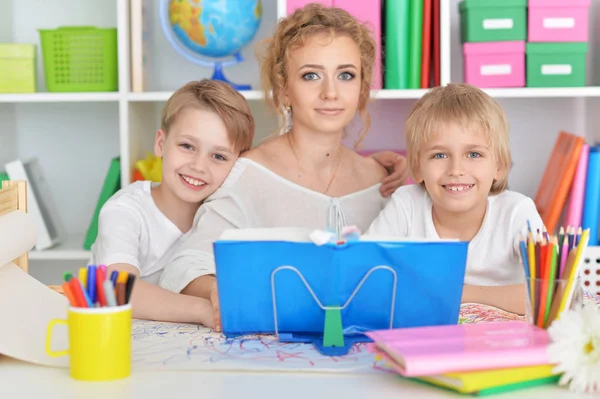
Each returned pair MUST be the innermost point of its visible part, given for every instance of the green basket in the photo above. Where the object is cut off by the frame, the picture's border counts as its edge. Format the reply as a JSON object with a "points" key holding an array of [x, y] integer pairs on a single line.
{"points": [[17, 68], [80, 58]]}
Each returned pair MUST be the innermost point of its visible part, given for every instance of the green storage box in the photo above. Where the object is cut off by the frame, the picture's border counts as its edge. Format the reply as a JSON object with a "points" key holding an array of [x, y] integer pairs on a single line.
{"points": [[493, 20], [17, 68], [80, 58], [556, 64]]}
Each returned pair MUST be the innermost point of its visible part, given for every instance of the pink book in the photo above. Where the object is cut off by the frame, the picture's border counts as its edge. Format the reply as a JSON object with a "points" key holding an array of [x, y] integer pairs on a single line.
{"points": [[577, 194], [293, 5], [424, 351], [368, 12]]}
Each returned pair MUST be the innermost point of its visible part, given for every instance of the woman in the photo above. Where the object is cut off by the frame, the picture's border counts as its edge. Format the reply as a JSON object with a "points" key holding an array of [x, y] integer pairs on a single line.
{"points": [[318, 66]]}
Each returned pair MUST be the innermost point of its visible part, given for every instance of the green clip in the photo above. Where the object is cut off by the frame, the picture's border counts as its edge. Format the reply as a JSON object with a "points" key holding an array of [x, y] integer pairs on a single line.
{"points": [[333, 333]]}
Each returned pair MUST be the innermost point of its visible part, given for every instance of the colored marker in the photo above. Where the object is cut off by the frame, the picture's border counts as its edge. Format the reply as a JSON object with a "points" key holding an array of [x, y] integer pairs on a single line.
{"points": [[91, 284], [77, 292], [109, 291], [67, 290], [113, 277], [129, 287], [83, 277], [100, 273]]}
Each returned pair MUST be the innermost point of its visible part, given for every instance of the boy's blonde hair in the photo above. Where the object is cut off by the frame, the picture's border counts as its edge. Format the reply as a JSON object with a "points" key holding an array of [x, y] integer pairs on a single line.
{"points": [[218, 97], [293, 32], [469, 108]]}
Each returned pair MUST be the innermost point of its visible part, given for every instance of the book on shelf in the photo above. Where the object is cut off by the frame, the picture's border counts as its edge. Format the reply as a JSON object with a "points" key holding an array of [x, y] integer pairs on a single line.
{"points": [[112, 184], [40, 202]]}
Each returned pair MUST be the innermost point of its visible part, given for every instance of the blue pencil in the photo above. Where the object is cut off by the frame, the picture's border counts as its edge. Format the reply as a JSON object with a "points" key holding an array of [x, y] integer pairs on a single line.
{"points": [[524, 256]]}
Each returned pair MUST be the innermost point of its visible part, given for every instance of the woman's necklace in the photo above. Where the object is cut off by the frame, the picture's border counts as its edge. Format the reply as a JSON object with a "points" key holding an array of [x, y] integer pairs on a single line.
{"points": [[337, 163]]}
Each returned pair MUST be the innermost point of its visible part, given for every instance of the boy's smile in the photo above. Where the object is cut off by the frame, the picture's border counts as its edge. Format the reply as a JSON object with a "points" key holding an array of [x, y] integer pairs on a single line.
{"points": [[193, 183]]}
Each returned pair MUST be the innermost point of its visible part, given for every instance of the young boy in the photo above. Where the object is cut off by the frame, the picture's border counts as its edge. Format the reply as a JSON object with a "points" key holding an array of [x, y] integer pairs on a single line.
{"points": [[205, 125], [458, 151]]}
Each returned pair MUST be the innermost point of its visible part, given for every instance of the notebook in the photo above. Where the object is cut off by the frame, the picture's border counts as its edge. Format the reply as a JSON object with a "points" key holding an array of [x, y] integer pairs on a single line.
{"points": [[436, 350]]}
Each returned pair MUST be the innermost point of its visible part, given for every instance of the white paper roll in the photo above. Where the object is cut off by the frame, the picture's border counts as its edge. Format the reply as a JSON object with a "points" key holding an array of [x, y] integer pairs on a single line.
{"points": [[17, 235]]}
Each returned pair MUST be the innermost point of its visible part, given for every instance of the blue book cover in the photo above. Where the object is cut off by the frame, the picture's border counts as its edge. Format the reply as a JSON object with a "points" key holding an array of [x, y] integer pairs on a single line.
{"points": [[278, 280]]}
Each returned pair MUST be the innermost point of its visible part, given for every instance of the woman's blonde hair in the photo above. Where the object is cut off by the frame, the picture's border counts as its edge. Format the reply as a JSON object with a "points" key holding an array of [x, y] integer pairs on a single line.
{"points": [[469, 108], [293, 32]]}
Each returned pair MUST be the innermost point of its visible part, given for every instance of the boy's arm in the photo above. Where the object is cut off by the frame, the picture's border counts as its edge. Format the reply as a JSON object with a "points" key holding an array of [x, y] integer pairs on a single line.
{"points": [[150, 302], [510, 298]]}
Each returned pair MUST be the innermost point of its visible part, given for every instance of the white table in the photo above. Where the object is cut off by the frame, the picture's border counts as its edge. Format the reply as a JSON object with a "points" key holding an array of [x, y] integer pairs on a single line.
{"points": [[23, 380]]}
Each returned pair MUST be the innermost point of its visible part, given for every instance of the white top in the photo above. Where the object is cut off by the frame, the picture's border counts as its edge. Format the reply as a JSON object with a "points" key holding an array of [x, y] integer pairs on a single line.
{"points": [[253, 196], [494, 253], [131, 229]]}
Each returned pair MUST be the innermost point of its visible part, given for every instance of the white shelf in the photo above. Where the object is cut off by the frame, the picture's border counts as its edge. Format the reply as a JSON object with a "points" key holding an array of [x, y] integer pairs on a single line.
{"points": [[161, 96], [70, 249], [534, 92], [58, 97]]}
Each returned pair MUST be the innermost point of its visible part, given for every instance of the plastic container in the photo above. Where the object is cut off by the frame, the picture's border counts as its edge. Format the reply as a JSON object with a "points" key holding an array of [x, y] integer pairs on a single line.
{"points": [[493, 20], [495, 64], [17, 68], [556, 64], [81, 58], [558, 20]]}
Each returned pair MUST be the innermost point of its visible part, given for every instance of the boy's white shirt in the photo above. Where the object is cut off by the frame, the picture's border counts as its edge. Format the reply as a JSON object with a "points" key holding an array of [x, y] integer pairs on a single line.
{"points": [[131, 229], [494, 253]]}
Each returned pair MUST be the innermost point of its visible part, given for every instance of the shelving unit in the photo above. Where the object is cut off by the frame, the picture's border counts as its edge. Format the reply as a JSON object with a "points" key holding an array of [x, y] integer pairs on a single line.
{"points": [[76, 134]]}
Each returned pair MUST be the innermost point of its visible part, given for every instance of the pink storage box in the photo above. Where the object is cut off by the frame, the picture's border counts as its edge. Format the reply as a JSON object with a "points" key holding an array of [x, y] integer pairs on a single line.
{"points": [[293, 5], [495, 64], [368, 12], [558, 20]]}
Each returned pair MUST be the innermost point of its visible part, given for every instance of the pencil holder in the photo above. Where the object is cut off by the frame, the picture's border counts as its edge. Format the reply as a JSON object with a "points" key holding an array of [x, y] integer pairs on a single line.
{"points": [[545, 301], [99, 342]]}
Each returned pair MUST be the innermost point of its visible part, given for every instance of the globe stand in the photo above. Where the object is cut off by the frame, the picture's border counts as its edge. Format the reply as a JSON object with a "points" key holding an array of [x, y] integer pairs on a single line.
{"points": [[219, 75]]}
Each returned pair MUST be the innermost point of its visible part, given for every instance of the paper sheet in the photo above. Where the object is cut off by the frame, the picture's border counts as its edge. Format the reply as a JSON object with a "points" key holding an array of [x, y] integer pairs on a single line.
{"points": [[172, 346], [26, 305]]}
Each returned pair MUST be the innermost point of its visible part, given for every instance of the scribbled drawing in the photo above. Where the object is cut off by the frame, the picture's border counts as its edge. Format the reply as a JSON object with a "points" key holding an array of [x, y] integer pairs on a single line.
{"points": [[164, 346], [158, 345]]}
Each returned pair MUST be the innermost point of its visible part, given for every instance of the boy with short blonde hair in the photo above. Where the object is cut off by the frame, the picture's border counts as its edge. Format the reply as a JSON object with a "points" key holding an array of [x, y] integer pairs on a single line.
{"points": [[205, 125], [458, 150]]}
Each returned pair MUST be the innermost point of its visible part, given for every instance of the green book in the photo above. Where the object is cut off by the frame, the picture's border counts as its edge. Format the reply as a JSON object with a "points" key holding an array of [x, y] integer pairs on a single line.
{"points": [[112, 184], [397, 39], [3, 176], [416, 44]]}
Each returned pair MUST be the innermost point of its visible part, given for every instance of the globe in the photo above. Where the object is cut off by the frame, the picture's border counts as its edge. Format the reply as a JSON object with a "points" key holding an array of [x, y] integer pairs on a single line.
{"points": [[216, 29]]}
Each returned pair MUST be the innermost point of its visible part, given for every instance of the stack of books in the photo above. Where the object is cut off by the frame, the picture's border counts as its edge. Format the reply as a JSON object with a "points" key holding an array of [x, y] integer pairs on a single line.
{"points": [[478, 359]]}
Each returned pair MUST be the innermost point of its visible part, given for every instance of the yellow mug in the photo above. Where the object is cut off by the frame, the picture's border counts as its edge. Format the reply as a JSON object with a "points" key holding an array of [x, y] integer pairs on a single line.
{"points": [[99, 342]]}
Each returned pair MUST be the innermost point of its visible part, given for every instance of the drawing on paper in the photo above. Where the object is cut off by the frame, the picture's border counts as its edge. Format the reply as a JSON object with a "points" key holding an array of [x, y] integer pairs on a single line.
{"points": [[158, 345]]}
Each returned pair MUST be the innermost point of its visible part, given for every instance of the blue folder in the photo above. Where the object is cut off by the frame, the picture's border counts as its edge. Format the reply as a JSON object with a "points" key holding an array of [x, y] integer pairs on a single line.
{"points": [[265, 286]]}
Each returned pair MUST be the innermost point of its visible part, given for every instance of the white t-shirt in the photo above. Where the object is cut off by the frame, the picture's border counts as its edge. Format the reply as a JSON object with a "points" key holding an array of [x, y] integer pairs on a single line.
{"points": [[494, 253], [131, 229], [253, 196]]}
